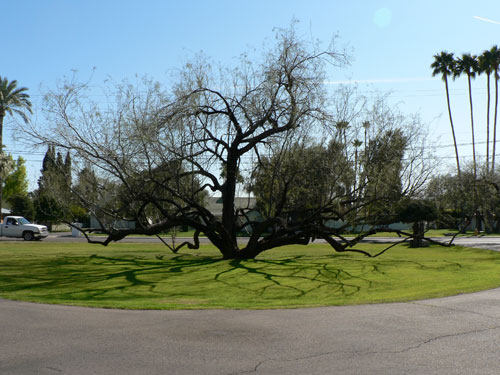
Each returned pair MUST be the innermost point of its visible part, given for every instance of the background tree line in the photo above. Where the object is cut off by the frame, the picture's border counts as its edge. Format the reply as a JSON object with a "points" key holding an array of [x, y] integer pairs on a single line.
{"points": [[472, 192]]}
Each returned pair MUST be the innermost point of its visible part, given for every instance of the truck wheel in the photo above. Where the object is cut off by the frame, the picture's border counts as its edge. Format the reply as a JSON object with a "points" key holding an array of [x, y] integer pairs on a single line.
{"points": [[28, 236]]}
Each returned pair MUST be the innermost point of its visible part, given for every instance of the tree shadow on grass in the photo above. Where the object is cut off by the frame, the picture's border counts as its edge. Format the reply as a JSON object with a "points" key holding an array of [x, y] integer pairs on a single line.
{"points": [[95, 277], [296, 277], [299, 276], [121, 278]]}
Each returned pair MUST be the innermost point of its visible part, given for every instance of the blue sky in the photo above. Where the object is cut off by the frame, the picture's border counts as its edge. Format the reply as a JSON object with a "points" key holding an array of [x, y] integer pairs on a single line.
{"points": [[392, 42]]}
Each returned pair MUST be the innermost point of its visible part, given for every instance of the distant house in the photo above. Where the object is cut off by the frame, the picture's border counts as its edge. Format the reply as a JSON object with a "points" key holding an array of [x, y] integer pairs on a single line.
{"points": [[116, 224], [214, 204]]}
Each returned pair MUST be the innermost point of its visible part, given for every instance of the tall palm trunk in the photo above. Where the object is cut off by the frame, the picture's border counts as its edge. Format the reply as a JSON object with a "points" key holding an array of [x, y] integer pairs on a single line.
{"points": [[357, 143], [495, 123], [355, 170], [451, 123], [472, 128], [366, 131], [345, 143], [488, 124], [2, 115]]}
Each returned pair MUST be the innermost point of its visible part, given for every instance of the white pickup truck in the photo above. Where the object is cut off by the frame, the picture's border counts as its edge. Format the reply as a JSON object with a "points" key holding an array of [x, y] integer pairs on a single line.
{"points": [[19, 227]]}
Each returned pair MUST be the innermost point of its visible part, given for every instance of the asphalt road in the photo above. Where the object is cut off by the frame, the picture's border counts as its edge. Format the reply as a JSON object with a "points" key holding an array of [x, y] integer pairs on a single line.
{"points": [[454, 335], [486, 242]]}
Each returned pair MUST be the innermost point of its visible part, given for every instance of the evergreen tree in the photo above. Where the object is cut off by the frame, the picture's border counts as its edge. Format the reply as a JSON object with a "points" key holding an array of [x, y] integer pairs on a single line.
{"points": [[53, 186], [67, 169], [48, 162]]}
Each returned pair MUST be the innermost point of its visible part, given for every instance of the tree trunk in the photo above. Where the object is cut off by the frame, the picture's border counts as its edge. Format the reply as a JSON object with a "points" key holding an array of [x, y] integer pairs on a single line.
{"points": [[418, 234], [242, 254], [355, 171], [2, 115], [488, 125], [230, 248], [472, 128], [495, 124], [452, 127]]}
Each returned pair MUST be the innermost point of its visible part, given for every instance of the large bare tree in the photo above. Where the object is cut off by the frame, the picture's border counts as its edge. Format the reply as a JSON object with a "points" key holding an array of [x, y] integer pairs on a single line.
{"points": [[152, 155]]}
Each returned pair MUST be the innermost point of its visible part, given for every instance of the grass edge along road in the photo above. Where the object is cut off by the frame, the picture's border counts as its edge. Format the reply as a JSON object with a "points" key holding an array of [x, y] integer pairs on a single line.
{"points": [[147, 276], [429, 233]]}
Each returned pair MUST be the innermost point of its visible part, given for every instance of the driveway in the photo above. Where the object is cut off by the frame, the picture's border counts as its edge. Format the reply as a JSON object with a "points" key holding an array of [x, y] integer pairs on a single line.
{"points": [[454, 335]]}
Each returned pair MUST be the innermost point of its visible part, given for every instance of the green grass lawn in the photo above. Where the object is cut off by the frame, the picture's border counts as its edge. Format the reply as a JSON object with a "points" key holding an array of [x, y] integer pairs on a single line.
{"points": [[147, 276]]}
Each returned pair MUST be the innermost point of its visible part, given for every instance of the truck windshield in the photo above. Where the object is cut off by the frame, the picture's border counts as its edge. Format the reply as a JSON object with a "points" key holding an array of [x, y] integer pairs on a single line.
{"points": [[23, 221]]}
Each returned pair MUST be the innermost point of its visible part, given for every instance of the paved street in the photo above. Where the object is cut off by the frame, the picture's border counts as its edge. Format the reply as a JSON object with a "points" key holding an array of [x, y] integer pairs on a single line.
{"points": [[486, 242], [454, 335]]}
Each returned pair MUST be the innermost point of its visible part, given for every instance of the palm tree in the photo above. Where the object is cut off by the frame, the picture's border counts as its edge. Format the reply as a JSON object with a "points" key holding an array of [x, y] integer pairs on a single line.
{"points": [[444, 65], [342, 129], [356, 143], [469, 65], [485, 66], [366, 126], [495, 63], [13, 101]]}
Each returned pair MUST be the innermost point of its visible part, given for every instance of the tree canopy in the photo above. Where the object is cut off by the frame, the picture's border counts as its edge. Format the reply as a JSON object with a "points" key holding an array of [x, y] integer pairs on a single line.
{"points": [[16, 182], [266, 125]]}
